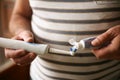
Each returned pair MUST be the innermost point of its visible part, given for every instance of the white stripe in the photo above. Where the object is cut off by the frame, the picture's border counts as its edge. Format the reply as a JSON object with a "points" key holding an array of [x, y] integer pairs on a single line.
{"points": [[72, 59], [38, 71], [34, 73], [76, 16], [75, 5], [113, 76], [55, 74], [72, 27], [76, 77], [57, 37], [74, 68]]}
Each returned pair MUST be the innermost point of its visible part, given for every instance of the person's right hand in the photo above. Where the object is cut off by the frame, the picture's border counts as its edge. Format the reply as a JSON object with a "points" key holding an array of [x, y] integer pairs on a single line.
{"points": [[20, 56]]}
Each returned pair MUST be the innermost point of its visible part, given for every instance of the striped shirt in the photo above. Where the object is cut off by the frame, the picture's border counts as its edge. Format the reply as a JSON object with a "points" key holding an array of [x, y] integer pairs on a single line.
{"points": [[54, 22]]}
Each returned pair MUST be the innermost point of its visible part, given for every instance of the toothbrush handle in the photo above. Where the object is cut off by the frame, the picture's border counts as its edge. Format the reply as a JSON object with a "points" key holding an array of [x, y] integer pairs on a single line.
{"points": [[31, 47]]}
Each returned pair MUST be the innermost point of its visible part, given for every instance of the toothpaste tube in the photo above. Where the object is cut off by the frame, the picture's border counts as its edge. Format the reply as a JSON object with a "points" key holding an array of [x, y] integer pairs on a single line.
{"points": [[82, 44]]}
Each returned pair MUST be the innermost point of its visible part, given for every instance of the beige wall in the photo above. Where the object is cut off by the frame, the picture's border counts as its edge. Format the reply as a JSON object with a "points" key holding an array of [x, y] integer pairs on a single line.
{"points": [[6, 7]]}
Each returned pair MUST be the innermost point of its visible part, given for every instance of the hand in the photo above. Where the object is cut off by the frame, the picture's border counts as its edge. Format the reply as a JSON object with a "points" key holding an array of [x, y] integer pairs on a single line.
{"points": [[20, 56], [112, 50]]}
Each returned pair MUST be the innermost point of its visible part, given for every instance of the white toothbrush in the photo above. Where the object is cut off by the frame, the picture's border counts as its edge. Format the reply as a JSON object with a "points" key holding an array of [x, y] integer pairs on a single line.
{"points": [[39, 49]]}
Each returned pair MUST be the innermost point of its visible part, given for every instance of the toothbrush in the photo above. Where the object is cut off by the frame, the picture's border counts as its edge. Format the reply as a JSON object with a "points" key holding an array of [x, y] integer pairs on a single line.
{"points": [[38, 49]]}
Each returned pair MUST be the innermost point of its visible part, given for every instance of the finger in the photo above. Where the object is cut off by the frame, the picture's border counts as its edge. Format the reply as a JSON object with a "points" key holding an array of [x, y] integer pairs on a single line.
{"points": [[102, 53], [11, 53], [110, 51], [27, 36], [102, 39], [27, 59]]}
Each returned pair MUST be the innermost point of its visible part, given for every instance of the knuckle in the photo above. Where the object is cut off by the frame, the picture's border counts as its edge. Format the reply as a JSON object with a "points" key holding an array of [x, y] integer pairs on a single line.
{"points": [[32, 55], [17, 60], [99, 40], [20, 53]]}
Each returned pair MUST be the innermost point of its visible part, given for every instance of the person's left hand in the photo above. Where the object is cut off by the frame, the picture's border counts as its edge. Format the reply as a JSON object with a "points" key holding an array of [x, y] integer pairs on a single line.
{"points": [[112, 50]]}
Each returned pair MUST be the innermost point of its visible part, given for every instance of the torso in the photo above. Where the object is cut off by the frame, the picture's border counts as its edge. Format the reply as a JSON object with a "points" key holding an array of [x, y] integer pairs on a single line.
{"points": [[54, 22]]}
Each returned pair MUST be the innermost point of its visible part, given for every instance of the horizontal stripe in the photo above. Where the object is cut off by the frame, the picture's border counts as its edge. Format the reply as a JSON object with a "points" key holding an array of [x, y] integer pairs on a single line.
{"points": [[76, 55], [77, 16], [72, 59], [79, 21], [36, 73], [71, 27], [81, 73], [73, 77], [48, 41], [76, 64], [43, 36], [71, 5], [69, 32], [79, 10], [75, 68], [44, 73], [52, 41], [57, 76], [118, 70], [65, 0]]}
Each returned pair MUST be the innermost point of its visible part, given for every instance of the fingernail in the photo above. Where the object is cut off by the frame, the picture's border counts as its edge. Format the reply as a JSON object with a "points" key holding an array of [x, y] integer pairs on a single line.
{"points": [[94, 42]]}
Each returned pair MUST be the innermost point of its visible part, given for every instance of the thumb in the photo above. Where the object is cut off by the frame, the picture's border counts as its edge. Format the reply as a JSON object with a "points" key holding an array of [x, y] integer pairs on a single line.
{"points": [[27, 36], [103, 39]]}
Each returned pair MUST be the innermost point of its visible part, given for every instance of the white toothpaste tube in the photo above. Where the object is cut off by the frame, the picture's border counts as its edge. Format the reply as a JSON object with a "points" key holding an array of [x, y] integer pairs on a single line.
{"points": [[81, 45]]}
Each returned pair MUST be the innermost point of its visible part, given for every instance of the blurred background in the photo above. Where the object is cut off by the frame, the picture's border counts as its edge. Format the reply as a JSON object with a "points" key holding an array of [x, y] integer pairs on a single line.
{"points": [[8, 70]]}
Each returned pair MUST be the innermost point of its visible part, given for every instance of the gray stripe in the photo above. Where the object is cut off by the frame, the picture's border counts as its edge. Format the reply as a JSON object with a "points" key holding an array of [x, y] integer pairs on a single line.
{"points": [[48, 41], [69, 32], [81, 73], [79, 10], [76, 55], [65, 0], [76, 64], [107, 75], [80, 21], [58, 78], [39, 39]]}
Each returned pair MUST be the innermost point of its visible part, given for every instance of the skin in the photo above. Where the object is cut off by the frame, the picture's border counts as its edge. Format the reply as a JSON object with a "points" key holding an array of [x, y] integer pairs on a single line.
{"points": [[21, 29], [112, 50]]}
